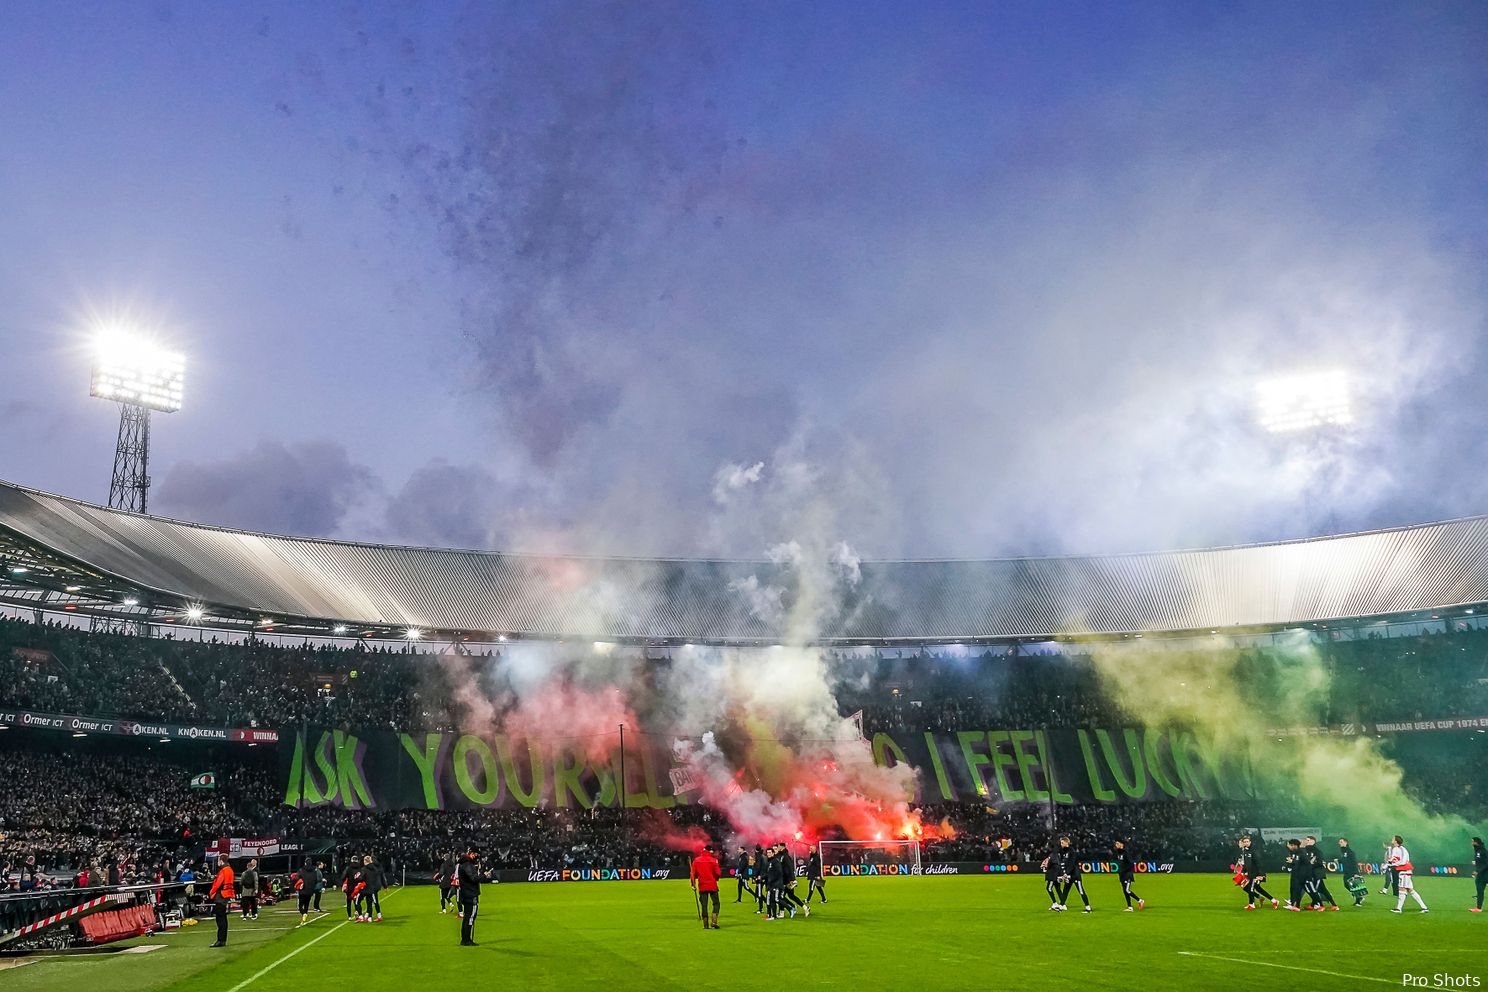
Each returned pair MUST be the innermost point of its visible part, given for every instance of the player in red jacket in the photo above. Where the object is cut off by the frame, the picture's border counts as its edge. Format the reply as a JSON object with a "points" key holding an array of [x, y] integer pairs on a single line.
{"points": [[705, 874]]}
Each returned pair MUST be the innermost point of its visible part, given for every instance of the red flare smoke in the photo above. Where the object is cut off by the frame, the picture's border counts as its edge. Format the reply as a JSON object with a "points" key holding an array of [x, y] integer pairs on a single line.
{"points": [[585, 721], [657, 828]]}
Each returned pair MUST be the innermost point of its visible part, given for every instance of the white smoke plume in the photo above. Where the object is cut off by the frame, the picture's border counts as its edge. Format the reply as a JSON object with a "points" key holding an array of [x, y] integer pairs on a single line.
{"points": [[732, 477]]}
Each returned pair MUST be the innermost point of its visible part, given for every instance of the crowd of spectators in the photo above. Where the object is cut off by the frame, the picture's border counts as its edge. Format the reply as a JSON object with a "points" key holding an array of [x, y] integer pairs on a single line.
{"points": [[543, 837], [57, 668], [74, 811], [138, 815], [931, 692], [1432, 676]]}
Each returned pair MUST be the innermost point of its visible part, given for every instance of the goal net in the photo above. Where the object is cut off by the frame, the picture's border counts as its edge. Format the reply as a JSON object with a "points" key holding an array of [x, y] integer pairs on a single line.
{"points": [[870, 857]]}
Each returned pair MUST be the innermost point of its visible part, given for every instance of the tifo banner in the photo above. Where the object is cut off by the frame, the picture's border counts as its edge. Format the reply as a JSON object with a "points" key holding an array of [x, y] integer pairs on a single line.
{"points": [[132, 728], [441, 770]]}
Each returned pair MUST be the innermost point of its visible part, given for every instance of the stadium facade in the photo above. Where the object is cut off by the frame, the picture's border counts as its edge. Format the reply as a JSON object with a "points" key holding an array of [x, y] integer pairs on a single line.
{"points": [[59, 554]]}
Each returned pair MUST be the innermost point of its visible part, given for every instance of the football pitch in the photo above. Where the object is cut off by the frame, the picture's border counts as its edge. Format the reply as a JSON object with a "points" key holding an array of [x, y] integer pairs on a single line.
{"points": [[941, 932]]}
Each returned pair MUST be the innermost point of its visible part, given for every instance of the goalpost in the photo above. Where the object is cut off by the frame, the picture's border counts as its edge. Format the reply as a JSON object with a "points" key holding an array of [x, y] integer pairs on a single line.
{"points": [[870, 857]]}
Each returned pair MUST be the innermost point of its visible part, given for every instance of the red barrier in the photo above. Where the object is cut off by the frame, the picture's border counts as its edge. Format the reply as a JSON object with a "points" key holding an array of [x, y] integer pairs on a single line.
{"points": [[119, 924]]}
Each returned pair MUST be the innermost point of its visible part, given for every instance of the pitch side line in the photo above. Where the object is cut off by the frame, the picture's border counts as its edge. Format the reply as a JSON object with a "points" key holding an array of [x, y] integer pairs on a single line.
{"points": [[1268, 964], [303, 947]]}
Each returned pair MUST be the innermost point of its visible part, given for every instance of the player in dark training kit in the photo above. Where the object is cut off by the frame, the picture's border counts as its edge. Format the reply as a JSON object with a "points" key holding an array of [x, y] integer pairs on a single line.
{"points": [[1348, 870], [320, 872], [1317, 874], [469, 877], [1070, 876], [761, 875], [1480, 872], [1051, 880], [1298, 870], [755, 881], [1126, 873], [773, 869], [372, 884], [1249, 876], [788, 882], [304, 885], [741, 874], [351, 877], [445, 876], [815, 881]]}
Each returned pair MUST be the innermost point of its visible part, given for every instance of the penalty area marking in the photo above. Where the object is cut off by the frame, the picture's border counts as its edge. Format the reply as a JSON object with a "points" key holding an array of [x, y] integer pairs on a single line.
{"points": [[1269, 964], [270, 967]]}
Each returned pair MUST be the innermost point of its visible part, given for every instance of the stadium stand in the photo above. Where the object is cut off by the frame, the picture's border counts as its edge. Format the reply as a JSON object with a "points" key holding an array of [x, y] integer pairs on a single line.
{"points": [[60, 669], [221, 640], [128, 807]]}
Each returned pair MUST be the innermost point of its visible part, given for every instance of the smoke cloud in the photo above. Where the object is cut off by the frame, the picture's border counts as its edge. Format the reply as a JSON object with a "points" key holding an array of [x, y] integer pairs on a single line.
{"points": [[732, 477], [762, 740], [1038, 306], [1235, 695], [756, 733]]}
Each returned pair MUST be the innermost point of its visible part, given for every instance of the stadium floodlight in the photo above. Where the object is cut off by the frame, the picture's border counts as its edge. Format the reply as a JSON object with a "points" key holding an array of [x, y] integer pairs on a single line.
{"points": [[140, 376], [194, 613], [1305, 401], [131, 601], [413, 633], [133, 370], [340, 628]]}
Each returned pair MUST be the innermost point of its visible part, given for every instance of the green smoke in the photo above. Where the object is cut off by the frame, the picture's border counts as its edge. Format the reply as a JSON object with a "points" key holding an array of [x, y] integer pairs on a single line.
{"points": [[1237, 695]]}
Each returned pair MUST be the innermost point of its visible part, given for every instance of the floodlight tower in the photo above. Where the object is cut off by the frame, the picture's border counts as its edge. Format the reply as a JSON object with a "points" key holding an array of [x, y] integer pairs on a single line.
{"points": [[140, 376], [1314, 411], [1310, 401]]}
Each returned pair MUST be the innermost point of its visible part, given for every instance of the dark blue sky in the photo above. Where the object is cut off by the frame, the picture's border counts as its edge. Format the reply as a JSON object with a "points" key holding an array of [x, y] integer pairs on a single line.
{"points": [[961, 279]]}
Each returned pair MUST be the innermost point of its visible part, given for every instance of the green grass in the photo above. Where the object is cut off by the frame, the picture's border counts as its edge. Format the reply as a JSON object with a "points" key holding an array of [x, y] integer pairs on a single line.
{"points": [[876, 933]]}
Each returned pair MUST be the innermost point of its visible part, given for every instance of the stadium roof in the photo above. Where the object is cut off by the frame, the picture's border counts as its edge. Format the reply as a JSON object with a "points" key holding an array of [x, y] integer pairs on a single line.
{"points": [[64, 554]]}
